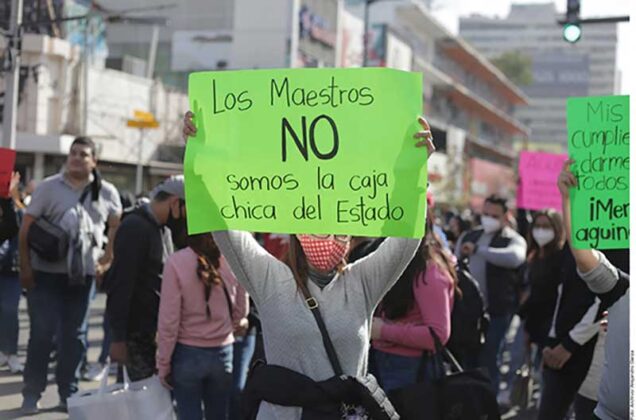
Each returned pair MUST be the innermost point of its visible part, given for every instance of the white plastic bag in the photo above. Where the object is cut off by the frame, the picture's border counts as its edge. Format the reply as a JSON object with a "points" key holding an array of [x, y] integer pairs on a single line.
{"points": [[145, 399]]}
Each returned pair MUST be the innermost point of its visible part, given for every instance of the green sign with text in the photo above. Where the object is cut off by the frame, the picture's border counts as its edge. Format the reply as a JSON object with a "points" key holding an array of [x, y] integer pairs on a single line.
{"points": [[598, 141], [306, 151]]}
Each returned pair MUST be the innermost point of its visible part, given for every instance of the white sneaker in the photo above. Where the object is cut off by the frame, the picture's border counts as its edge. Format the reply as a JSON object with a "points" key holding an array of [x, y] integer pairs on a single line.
{"points": [[95, 373], [503, 399], [14, 364], [3, 359]]}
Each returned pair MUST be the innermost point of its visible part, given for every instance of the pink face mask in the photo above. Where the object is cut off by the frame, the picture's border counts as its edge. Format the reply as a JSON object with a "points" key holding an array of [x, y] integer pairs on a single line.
{"points": [[323, 254]]}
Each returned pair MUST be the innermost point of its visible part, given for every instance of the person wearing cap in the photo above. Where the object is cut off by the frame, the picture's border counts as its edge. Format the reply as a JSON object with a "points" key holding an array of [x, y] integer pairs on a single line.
{"points": [[143, 243]]}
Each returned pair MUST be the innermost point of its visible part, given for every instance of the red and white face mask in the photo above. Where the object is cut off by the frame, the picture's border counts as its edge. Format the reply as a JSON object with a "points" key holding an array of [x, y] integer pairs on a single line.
{"points": [[324, 254]]}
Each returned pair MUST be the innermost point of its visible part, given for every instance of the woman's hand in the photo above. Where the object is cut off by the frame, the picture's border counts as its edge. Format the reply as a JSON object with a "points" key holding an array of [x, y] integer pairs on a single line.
{"points": [[376, 328], [241, 328], [566, 180], [426, 135], [189, 130], [14, 183], [166, 380], [556, 357]]}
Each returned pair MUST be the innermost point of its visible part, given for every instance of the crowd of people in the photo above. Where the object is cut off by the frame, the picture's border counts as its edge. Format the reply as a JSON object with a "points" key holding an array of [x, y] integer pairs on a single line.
{"points": [[199, 310]]}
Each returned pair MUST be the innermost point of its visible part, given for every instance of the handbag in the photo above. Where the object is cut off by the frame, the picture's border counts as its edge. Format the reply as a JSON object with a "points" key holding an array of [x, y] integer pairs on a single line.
{"points": [[142, 400], [48, 240], [378, 405], [460, 395]]}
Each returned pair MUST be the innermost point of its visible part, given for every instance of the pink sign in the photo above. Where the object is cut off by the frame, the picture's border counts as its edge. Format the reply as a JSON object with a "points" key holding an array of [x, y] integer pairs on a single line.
{"points": [[538, 174]]}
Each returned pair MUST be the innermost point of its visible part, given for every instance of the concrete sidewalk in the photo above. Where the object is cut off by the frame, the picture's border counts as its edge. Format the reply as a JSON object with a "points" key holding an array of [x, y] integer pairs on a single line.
{"points": [[11, 385]]}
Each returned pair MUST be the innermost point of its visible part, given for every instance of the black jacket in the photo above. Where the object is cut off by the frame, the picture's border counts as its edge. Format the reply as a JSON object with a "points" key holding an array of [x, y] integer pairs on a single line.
{"points": [[543, 277], [577, 311], [133, 283], [502, 284]]}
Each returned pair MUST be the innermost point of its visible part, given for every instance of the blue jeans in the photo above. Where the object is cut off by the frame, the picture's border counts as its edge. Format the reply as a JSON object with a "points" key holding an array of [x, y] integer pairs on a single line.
{"points": [[52, 304], [243, 350], [202, 375], [396, 371], [9, 299], [518, 351], [490, 351]]}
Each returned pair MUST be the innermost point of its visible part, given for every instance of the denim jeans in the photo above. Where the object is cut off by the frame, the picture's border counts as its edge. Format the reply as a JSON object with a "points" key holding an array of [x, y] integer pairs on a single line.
{"points": [[517, 347], [52, 303], [202, 375], [10, 291], [490, 351], [397, 371], [84, 361], [243, 349]]}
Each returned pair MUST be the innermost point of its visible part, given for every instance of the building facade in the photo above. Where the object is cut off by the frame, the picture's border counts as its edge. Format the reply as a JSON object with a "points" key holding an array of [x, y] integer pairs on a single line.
{"points": [[469, 103], [559, 69], [57, 92]]}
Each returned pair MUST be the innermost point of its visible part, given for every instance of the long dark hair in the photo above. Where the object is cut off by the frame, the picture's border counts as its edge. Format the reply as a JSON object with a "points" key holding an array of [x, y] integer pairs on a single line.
{"points": [[297, 261], [556, 221], [400, 300], [208, 263]]}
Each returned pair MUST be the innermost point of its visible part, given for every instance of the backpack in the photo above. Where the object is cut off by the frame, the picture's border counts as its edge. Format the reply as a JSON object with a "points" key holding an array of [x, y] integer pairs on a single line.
{"points": [[81, 244], [469, 320], [134, 209]]}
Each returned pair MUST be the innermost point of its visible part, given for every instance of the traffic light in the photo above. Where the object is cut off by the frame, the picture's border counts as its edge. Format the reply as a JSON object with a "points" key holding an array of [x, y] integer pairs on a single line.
{"points": [[572, 28]]}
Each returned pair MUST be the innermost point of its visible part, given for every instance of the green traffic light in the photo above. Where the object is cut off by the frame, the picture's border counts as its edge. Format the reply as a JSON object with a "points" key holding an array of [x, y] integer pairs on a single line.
{"points": [[572, 32]]}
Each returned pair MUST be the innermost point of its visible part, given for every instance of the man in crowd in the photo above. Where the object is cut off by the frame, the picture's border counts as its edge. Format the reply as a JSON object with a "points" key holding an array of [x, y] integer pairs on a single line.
{"points": [[495, 253], [133, 285], [57, 305]]}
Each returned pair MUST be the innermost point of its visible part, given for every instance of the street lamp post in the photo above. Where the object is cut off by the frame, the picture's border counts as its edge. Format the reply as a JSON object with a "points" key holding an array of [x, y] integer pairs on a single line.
{"points": [[12, 77], [365, 36]]}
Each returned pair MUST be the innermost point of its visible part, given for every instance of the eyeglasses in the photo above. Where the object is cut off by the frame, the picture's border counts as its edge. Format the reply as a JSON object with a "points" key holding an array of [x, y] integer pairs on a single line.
{"points": [[338, 238]]}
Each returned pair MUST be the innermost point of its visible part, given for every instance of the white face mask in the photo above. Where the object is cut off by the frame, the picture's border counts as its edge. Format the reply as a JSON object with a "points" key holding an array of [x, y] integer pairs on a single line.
{"points": [[543, 236], [490, 224]]}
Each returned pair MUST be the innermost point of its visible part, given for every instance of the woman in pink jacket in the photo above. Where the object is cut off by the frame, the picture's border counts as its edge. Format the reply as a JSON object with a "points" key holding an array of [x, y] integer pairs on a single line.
{"points": [[421, 300], [202, 307]]}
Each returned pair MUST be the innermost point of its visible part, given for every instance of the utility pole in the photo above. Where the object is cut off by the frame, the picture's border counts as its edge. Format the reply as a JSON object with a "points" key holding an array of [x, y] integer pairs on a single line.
{"points": [[85, 72], [152, 54], [139, 175], [141, 120], [12, 80], [365, 36]]}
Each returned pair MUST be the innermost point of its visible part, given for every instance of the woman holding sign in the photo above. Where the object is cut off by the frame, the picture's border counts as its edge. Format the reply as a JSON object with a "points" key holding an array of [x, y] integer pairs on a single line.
{"points": [[326, 330]]}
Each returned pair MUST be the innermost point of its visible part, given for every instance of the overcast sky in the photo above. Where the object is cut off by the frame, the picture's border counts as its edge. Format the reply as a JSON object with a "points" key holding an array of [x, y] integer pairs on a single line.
{"points": [[449, 11]]}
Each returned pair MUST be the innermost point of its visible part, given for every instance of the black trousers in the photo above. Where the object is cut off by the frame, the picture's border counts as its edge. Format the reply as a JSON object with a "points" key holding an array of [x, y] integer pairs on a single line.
{"points": [[560, 387], [584, 408], [142, 348]]}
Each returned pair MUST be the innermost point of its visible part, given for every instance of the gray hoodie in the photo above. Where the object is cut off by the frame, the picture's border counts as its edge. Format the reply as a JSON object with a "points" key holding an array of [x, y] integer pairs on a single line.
{"points": [[613, 396]]}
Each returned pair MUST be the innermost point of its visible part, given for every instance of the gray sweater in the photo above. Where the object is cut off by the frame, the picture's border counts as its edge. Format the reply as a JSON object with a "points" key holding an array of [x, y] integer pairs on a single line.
{"points": [[613, 395], [290, 334]]}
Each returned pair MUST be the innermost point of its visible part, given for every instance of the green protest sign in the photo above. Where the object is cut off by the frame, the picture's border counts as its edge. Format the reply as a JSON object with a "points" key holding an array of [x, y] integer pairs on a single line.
{"points": [[326, 151], [598, 131]]}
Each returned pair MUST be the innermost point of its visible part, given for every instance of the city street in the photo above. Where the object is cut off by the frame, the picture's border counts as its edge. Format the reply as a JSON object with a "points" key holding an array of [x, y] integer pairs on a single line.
{"points": [[11, 385]]}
